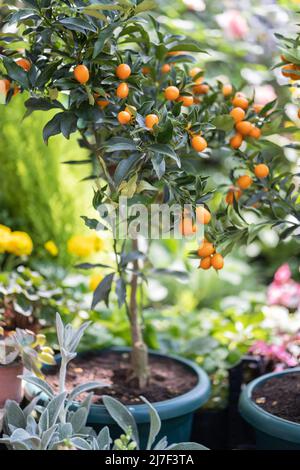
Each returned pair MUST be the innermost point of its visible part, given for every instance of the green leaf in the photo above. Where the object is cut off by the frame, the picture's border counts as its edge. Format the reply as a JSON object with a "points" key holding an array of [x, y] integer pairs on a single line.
{"points": [[68, 124], [41, 104], [165, 149], [15, 72], [102, 38], [117, 144], [190, 47], [159, 165], [125, 167], [52, 127], [223, 122], [90, 223], [103, 290], [78, 24], [121, 291], [122, 416], [155, 423], [146, 5]]}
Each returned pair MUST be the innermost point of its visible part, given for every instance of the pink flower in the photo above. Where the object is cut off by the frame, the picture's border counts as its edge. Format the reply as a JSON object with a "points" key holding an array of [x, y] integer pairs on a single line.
{"points": [[233, 24], [283, 274], [264, 94], [284, 290]]}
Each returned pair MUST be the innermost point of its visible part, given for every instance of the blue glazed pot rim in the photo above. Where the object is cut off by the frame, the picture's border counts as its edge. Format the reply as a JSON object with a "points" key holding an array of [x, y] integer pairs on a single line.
{"points": [[262, 419], [175, 407]]}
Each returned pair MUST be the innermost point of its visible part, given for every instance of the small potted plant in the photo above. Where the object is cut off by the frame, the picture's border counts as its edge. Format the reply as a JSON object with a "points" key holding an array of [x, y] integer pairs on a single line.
{"points": [[271, 403], [149, 122], [62, 425], [19, 350]]}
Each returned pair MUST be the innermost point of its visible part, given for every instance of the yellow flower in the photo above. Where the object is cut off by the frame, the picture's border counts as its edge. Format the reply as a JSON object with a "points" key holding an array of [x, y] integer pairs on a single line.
{"points": [[84, 245], [3, 228], [51, 247], [95, 280], [20, 244], [81, 246], [5, 235]]}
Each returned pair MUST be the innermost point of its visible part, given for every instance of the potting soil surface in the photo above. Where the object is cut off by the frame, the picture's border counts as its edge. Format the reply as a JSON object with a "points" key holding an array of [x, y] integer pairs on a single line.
{"points": [[280, 396], [168, 378]]}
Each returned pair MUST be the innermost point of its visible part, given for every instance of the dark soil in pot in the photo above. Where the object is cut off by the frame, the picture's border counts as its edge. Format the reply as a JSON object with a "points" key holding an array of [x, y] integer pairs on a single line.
{"points": [[280, 396], [168, 378]]}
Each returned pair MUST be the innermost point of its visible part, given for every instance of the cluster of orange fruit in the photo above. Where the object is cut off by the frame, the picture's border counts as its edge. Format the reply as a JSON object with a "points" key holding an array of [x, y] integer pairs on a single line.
{"points": [[243, 127], [209, 257], [5, 83], [206, 251], [245, 181]]}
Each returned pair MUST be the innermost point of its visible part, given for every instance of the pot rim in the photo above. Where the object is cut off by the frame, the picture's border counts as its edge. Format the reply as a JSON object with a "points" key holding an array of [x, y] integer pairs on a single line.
{"points": [[167, 409], [16, 363], [262, 419]]}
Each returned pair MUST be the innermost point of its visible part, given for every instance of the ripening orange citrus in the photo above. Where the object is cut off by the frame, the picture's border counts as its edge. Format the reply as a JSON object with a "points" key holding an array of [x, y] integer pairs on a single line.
{"points": [[261, 170], [166, 68], [123, 71], [198, 143], [151, 120], [186, 100], [227, 90], [255, 132], [233, 194], [124, 117], [240, 101], [17, 90], [24, 63], [283, 58], [287, 71], [244, 181], [257, 107], [194, 71], [236, 141], [205, 249], [81, 74], [186, 226], [298, 113], [4, 85], [200, 89], [217, 261], [171, 93], [122, 90], [146, 70], [205, 263], [237, 114], [244, 127], [203, 215], [103, 103]]}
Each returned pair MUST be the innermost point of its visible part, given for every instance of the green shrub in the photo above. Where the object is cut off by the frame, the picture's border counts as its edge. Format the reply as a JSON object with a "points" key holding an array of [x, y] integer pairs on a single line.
{"points": [[38, 195]]}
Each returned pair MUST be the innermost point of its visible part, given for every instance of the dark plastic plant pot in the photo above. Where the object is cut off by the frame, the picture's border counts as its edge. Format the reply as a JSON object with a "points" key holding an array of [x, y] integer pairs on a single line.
{"points": [[272, 432], [176, 414]]}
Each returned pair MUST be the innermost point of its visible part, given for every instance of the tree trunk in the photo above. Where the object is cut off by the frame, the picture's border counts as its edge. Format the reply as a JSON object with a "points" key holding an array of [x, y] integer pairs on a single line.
{"points": [[139, 354]]}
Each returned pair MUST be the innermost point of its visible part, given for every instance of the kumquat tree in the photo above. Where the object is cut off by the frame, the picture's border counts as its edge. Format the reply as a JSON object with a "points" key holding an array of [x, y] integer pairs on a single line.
{"points": [[139, 101]]}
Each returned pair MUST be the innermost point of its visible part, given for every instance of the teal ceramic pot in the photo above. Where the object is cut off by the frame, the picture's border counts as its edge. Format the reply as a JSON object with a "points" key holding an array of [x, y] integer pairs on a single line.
{"points": [[272, 432], [176, 414]]}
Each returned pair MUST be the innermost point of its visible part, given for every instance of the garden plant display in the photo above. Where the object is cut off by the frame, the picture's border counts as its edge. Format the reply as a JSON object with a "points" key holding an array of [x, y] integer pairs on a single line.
{"points": [[56, 426], [150, 122], [18, 349]]}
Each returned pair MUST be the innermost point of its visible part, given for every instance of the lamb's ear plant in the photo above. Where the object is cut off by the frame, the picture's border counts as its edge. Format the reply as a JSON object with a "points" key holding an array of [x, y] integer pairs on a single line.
{"points": [[59, 425]]}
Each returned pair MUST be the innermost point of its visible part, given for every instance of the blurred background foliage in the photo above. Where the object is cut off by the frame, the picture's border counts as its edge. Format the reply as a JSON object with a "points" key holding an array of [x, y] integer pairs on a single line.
{"points": [[39, 194]]}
